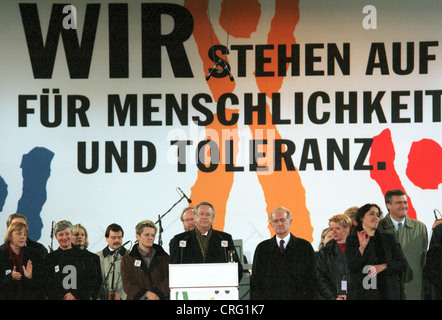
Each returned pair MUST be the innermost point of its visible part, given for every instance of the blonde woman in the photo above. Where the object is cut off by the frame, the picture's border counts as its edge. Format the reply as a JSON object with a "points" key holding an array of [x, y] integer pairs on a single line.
{"points": [[20, 266], [332, 262]]}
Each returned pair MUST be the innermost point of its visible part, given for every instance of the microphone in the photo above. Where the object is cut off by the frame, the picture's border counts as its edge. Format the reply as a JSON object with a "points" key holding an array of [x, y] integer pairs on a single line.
{"points": [[184, 195], [122, 246], [52, 236], [435, 215], [52, 229]]}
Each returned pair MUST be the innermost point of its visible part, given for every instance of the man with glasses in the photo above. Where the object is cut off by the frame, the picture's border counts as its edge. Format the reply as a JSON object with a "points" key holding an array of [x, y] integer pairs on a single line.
{"points": [[284, 266], [188, 218]]}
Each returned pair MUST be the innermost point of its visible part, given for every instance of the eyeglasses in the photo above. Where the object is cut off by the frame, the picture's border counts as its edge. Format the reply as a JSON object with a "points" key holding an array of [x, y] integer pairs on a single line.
{"points": [[189, 220]]}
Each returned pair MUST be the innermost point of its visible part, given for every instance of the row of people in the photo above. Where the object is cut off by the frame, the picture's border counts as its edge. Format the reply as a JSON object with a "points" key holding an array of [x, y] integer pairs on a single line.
{"points": [[392, 250], [370, 263]]}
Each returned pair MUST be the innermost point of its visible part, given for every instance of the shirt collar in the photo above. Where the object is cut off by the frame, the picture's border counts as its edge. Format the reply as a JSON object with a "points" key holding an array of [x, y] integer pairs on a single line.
{"points": [[286, 240], [396, 223]]}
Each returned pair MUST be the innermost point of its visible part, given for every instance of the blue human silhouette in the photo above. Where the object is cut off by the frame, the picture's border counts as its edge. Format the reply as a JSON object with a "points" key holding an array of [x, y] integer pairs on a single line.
{"points": [[36, 170]]}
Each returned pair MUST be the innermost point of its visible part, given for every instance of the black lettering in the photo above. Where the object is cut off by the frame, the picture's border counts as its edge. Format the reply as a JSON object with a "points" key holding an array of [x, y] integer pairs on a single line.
{"points": [[424, 57], [352, 107], [343, 60], [311, 59], [373, 105], [182, 113], [397, 58], [181, 153], [213, 154], [81, 157], [120, 157], [310, 145], [153, 40], [139, 147], [397, 106], [365, 149], [377, 50], [221, 109], [312, 107], [286, 155], [114, 106], [342, 156], [259, 109], [118, 40], [261, 60], [42, 53], [293, 59], [202, 109]]}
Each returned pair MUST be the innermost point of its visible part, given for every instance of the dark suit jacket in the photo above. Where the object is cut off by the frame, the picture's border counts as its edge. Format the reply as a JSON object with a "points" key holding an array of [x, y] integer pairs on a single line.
{"points": [[287, 276], [216, 253]]}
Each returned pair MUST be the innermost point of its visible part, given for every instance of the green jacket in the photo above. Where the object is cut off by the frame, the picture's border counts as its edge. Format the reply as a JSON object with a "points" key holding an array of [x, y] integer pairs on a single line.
{"points": [[413, 238]]}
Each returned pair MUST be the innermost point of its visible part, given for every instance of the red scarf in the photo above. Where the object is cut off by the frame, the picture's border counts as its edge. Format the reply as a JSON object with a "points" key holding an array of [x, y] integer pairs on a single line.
{"points": [[17, 261]]}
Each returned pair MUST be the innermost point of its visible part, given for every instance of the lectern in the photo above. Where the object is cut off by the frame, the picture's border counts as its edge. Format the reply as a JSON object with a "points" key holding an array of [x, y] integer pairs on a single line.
{"points": [[203, 281]]}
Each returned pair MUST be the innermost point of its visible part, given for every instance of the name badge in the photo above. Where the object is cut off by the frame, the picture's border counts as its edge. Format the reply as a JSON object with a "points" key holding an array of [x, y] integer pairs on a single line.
{"points": [[183, 243], [224, 244], [344, 285], [8, 272], [57, 268], [137, 263]]}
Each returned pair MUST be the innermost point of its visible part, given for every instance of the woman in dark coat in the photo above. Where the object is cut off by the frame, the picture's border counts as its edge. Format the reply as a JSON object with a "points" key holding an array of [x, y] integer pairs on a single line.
{"points": [[20, 266], [70, 273], [375, 260], [145, 269], [332, 263]]}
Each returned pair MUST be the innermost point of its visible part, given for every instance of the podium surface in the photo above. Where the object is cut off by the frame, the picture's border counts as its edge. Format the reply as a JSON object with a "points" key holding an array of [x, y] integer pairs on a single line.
{"points": [[203, 281]]}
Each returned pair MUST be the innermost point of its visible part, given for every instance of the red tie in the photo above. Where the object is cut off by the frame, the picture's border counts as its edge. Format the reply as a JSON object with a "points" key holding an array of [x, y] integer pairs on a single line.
{"points": [[281, 246]]}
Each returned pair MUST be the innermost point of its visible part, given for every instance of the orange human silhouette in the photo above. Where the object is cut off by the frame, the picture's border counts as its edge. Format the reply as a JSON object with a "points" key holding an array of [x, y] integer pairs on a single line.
{"points": [[281, 188]]}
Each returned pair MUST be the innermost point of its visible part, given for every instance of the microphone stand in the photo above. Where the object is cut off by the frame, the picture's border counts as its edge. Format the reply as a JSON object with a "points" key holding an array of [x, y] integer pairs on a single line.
{"points": [[52, 238], [160, 227], [111, 269], [104, 285]]}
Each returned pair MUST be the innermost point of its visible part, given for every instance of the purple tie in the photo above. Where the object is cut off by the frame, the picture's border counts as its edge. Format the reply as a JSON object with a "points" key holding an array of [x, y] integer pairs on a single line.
{"points": [[281, 246]]}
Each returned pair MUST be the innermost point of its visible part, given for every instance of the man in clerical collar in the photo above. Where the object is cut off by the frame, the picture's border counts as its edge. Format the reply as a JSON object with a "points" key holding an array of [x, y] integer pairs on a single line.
{"points": [[203, 244], [112, 288]]}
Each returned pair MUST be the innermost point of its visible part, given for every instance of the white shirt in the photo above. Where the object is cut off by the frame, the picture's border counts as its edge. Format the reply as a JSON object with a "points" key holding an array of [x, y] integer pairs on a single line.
{"points": [[396, 223], [286, 240]]}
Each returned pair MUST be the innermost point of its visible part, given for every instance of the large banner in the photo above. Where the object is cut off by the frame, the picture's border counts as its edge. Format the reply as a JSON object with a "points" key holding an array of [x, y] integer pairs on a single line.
{"points": [[109, 110]]}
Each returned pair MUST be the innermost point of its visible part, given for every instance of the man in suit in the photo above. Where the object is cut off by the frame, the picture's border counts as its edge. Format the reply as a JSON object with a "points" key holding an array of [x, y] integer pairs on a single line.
{"points": [[203, 244], [284, 266]]}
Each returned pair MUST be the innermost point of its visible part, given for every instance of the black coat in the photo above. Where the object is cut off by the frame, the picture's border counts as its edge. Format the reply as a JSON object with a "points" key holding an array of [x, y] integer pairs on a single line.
{"points": [[216, 253], [433, 271], [31, 288], [328, 284], [73, 270], [290, 275], [383, 248]]}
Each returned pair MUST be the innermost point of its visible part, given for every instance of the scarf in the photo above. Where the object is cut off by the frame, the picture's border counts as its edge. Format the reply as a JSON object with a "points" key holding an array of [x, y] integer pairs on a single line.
{"points": [[203, 241], [17, 261]]}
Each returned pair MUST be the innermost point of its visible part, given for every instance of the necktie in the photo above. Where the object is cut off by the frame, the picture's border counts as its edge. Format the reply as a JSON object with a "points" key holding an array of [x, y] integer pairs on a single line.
{"points": [[399, 225], [281, 246]]}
